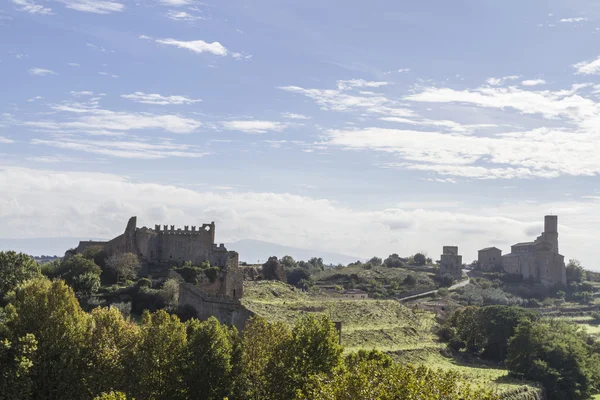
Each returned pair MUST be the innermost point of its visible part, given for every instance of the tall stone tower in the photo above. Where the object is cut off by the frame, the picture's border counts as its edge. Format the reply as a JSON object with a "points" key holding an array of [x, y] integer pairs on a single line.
{"points": [[550, 234]]}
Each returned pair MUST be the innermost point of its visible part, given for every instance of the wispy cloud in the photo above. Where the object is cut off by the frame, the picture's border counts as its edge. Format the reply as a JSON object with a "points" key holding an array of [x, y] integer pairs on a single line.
{"points": [[533, 82], [41, 72], [5, 140], [157, 99], [182, 16], [571, 20], [197, 46], [93, 6], [253, 126], [176, 3], [73, 64], [290, 115], [588, 67], [92, 119], [123, 149], [31, 8], [500, 81], [354, 83], [35, 98]]}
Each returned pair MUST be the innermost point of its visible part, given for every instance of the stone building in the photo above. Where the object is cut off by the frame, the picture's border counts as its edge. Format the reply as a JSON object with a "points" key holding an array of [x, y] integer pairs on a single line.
{"points": [[451, 262], [164, 247], [489, 259], [538, 260]]}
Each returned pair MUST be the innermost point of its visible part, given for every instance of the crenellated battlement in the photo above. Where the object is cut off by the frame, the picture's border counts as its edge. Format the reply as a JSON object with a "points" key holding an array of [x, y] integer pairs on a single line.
{"points": [[171, 230]]}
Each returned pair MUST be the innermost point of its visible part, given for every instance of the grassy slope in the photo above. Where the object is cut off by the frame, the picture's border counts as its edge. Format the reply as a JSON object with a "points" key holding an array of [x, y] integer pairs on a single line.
{"points": [[383, 280], [385, 325]]}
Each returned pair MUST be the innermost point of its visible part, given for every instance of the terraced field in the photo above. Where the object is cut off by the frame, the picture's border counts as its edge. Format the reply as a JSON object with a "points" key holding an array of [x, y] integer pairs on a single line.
{"points": [[405, 333]]}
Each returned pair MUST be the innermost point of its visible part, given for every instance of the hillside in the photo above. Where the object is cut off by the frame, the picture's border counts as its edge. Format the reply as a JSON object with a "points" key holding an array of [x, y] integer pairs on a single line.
{"points": [[403, 332], [379, 281]]}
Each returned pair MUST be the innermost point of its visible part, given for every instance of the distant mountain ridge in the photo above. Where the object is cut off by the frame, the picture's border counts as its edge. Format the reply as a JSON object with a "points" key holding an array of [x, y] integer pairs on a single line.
{"points": [[251, 251]]}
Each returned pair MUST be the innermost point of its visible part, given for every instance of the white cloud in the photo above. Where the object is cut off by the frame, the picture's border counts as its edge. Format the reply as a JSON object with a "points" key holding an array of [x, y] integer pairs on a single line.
{"points": [[35, 98], [403, 70], [73, 64], [93, 6], [5, 140], [500, 81], [197, 46], [570, 20], [343, 101], [182, 16], [53, 159], [31, 8], [294, 116], [176, 3], [588, 67], [157, 99], [253, 126], [533, 82], [88, 204], [83, 93], [354, 83], [90, 118], [41, 72], [123, 149]]}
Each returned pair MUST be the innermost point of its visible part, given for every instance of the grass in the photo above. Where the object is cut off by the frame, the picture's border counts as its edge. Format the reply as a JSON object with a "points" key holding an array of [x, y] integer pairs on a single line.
{"points": [[386, 325]]}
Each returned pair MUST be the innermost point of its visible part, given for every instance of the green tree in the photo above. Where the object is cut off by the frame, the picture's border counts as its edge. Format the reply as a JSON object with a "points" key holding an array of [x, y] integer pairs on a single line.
{"points": [[297, 275], [261, 343], [75, 266], [393, 261], [16, 358], [375, 261], [288, 262], [317, 263], [111, 396], [86, 284], [208, 361], [158, 369], [16, 268], [575, 272], [556, 354], [97, 254], [312, 349], [125, 266], [419, 259], [112, 346], [50, 311]]}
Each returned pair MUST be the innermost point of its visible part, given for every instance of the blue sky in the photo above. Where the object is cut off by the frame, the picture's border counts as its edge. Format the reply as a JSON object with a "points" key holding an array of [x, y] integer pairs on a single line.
{"points": [[355, 127]]}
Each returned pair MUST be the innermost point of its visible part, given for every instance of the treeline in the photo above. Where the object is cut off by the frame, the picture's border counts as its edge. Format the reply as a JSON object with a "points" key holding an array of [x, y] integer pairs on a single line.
{"points": [[50, 348], [555, 353]]}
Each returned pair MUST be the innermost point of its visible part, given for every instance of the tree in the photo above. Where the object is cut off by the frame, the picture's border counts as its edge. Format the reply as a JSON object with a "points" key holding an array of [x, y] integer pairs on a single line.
{"points": [[125, 266], [158, 369], [170, 293], [556, 354], [273, 270], [288, 262], [112, 345], [419, 259], [393, 261], [261, 343], [317, 262], [16, 269], [86, 284], [208, 360], [575, 272], [50, 311], [375, 261], [75, 266], [297, 275], [97, 254], [111, 396]]}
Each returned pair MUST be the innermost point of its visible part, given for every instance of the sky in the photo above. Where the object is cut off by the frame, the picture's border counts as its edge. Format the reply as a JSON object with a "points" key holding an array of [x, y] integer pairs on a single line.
{"points": [[361, 128]]}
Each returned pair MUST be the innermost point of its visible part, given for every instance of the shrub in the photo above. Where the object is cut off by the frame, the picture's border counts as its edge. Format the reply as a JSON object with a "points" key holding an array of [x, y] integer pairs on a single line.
{"points": [[410, 280], [446, 280], [419, 259], [145, 282]]}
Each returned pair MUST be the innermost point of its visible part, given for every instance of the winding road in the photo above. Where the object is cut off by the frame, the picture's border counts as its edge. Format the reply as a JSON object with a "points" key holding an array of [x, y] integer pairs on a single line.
{"points": [[451, 288]]}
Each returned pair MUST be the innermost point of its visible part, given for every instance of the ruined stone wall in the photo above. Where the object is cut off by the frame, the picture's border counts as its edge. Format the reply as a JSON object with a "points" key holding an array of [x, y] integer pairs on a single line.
{"points": [[451, 264], [227, 311]]}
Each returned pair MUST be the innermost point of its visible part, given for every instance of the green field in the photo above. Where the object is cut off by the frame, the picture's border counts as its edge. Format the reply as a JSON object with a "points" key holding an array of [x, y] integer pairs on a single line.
{"points": [[404, 333]]}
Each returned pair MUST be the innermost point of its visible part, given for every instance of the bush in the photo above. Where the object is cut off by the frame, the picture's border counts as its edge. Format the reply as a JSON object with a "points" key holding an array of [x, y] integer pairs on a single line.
{"points": [[145, 282], [410, 280], [444, 292], [447, 280], [393, 261]]}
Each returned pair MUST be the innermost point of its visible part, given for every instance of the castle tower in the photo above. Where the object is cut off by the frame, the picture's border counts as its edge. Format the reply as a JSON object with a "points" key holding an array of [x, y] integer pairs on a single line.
{"points": [[550, 233]]}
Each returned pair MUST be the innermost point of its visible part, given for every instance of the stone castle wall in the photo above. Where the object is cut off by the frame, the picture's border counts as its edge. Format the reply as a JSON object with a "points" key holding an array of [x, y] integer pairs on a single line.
{"points": [[226, 310]]}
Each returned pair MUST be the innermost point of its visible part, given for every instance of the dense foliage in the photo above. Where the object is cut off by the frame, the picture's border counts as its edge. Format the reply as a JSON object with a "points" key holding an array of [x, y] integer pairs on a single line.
{"points": [[565, 360], [51, 349]]}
